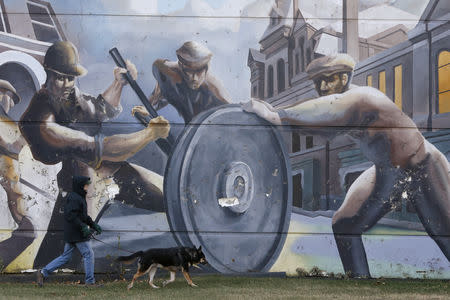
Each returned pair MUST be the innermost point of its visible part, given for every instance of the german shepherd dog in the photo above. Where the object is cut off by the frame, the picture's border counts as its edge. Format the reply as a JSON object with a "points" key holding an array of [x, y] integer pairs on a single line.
{"points": [[171, 259]]}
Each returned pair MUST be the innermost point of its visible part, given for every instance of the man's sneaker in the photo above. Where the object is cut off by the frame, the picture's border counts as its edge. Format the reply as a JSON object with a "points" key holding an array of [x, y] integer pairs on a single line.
{"points": [[39, 278]]}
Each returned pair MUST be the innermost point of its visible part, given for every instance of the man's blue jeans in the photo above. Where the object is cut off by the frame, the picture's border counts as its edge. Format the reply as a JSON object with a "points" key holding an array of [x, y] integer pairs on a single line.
{"points": [[86, 251]]}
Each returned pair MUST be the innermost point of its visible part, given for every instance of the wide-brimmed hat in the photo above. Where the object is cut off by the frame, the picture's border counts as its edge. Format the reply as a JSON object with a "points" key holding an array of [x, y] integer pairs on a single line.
{"points": [[62, 57]]}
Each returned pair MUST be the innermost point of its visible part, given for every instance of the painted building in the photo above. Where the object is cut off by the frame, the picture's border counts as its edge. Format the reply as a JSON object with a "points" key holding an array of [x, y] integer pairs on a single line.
{"points": [[27, 29], [257, 198], [389, 60]]}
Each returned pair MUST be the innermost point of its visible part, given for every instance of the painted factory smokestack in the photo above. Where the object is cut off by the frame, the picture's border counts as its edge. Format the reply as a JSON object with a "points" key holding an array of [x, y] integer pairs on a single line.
{"points": [[350, 28]]}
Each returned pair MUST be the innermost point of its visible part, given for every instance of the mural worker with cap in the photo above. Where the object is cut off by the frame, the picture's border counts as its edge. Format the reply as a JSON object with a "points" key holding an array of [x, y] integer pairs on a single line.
{"points": [[62, 124], [405, 163], [186, 84], [11, 143], [76, 232]]}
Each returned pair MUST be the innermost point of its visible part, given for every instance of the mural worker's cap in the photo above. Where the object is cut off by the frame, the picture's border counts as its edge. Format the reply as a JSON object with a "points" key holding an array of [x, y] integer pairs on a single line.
{"points": [[194, 55], [62, 57], [7, 88], [330, 64]]}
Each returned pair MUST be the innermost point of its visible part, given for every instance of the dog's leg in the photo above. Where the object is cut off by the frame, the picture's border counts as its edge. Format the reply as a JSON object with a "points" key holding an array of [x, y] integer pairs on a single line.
{"points": [[138, 274], [151, 274], [188, 278], [172, 279]]}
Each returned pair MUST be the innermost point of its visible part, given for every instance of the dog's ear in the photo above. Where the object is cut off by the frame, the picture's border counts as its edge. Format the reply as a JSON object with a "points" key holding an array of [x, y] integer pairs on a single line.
{"points": [[200, 248]]}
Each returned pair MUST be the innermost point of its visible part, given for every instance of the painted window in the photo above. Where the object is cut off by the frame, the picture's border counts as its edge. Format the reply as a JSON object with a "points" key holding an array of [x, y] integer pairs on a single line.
{"points": [[43, 24], [296, 145], [308, 56], [297, 190], [309, 142], [398, 85], [270, 82], [280, 75], [382, 81], [369, 80], [444, 81], [301, 43]]}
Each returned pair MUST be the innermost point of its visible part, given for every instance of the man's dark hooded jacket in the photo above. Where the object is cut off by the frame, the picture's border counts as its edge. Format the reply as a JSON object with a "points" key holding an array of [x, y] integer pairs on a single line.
{"points": [[75, 211]]}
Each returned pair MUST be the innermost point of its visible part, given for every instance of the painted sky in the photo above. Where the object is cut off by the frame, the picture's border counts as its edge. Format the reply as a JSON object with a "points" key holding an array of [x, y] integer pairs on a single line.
{"points": [[146, 30]]}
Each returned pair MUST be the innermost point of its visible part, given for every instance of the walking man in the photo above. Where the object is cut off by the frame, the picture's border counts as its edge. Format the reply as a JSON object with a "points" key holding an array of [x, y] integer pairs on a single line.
{"points": [[76, 232]]}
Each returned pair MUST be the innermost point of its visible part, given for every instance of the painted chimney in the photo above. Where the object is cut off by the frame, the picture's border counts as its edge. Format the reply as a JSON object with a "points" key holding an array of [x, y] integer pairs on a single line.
{"points": [[350, 36]]}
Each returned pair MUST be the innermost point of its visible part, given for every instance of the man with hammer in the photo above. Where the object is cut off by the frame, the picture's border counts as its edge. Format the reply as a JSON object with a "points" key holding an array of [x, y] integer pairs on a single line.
{"points": [[405, 163], [11, 143], [62, 124], [186, 84]]}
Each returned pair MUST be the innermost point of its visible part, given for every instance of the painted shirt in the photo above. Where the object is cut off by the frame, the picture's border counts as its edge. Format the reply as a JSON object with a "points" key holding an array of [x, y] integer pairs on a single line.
{"points": [[67, 130]]}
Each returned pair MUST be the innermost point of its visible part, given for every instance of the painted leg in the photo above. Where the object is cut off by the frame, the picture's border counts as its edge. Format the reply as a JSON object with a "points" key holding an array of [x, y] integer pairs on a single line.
{"points": [[24, 235], [20, 239], [53, 242], [172, 279], [432, 198], [365, 203], [138, 185]]}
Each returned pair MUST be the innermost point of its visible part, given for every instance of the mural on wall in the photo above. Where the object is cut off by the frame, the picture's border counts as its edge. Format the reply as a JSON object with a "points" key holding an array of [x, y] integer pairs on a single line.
{"points": [[326, 147]]}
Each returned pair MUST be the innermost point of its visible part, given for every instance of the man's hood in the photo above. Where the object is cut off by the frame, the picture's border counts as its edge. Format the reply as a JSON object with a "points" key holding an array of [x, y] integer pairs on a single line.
{"points": [[78, 182]]}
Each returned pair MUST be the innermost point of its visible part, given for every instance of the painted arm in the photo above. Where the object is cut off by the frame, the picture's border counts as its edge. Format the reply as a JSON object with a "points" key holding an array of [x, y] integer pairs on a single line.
{"points": [[11, 140], [156, 100], [218, 89], [120, 147], [333, 110], [113, 92], [93, 150]]}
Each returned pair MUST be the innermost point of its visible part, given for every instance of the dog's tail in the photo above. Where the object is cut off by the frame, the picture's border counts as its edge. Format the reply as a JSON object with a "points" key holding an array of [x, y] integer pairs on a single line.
{"points": [[130, 258]]}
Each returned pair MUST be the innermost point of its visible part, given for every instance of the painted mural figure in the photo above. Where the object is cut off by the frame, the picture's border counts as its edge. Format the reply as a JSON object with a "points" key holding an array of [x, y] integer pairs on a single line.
{"points": [[405, 163], [62, 124], [11, 143], [186, 84]]}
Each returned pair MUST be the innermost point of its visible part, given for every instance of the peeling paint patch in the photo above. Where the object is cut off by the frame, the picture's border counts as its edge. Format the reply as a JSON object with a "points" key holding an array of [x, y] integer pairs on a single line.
{"points": [[228, 202]]}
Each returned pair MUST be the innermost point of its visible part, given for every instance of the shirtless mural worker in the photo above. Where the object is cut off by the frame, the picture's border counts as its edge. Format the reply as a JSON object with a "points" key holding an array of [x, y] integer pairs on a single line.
{"points": [[404, 161], [186, 84]]}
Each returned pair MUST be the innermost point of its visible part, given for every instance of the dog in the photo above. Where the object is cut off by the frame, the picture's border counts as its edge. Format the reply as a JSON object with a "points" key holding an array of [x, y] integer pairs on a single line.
{"points": [[171, 259]]}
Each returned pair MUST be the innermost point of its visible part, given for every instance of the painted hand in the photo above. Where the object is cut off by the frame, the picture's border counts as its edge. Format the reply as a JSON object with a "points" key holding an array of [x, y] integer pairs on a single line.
{"points": [[263, 110], [118, 72], [139, 109], [160, 127]]}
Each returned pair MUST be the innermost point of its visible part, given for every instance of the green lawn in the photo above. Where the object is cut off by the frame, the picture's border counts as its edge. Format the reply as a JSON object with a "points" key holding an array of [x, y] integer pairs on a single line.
{"points": [[224, 287]]}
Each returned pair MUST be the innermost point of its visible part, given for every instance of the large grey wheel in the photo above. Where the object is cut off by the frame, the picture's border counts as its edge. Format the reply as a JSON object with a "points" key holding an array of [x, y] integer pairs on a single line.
{"points": [[227, 188]]}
